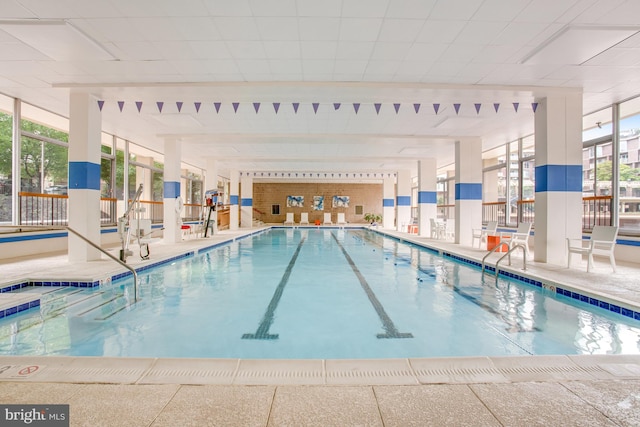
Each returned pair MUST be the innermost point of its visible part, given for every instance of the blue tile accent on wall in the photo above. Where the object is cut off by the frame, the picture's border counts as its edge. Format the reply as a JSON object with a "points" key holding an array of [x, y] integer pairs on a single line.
{"points": [[171, 190], [233, 200], [558, 178], [403, 200], [427, 197], [246, 201], [388, 203], [84, 176], [468, 191]]}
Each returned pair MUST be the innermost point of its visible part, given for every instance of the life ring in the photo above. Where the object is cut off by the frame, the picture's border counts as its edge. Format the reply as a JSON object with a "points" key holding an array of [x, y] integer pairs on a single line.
{"points": [[179, 204]]}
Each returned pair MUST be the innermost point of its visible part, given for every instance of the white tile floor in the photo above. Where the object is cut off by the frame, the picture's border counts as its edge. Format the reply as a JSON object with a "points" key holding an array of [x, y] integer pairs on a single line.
{"points": [[516, 391]]}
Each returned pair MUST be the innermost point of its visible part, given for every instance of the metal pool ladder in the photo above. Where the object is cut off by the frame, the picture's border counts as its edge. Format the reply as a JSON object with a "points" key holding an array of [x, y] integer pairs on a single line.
{"points": [[519, 245]]}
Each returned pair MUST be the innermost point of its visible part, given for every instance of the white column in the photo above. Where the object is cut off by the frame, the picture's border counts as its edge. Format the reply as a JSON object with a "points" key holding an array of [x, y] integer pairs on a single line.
{"points": [[234, 192], [84, 175], [388, 201], [468, 189], [172, 198], [427, 195], [211, 183], [558, 139], [246, 202], [403, 200]]}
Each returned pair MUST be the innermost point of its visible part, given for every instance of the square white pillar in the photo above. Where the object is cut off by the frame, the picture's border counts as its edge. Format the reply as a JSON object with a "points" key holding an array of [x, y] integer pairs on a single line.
{"points": [[427, 195], [468, 189], [246, 201], [84, 176], [173, 203], [234, 198], [388, 201], [403, 200]]}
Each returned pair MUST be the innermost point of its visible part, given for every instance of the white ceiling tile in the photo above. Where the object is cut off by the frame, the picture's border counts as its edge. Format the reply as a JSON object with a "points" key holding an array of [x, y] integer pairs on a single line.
{"points": [[410, 9], [446, 69], [455, 10], [319, 28], [228, 8], [18, 51], [175, 50], [277, 28], [157, 28], [401, 30], [395, 51], [237, 28], [179, 8], [285, 66], [273, 7], [318, 77], [459, 53], [314, 66], [221, 66], [360, 29], [210, 49], [135, 51], [354, 50], [382, 67], [14, 10], [318, 50], [414, 67], [110, 29], [518, 33], [282, 49], [500, 10], [543, 11], [350, 67], [440, 31], [480, 32], [627, 13], [371, 9], [319, 8], [422, 51], [196, 28], [246, 49]]}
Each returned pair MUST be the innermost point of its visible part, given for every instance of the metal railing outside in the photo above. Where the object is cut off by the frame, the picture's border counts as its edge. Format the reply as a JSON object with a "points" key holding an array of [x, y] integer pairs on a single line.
{"points": [[52, 209]]}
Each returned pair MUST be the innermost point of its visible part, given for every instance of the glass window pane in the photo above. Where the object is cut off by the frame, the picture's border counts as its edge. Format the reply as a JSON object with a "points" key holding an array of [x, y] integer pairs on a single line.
{"points": [[629, 173], [6, 150]]}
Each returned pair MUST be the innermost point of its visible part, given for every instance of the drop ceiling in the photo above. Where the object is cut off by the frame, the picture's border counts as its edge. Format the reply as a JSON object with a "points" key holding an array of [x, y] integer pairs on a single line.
{"points": [[305, 86]]}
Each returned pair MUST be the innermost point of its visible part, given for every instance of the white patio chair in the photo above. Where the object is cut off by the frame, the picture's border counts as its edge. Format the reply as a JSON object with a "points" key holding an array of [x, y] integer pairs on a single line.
{"points": [[341, 220], [482, 233], [304, 218], [601, 243], [520, 237], [327, 219], [289, 220]]}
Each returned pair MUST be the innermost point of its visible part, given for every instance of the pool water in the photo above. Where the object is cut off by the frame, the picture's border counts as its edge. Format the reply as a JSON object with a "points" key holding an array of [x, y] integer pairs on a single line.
{"points": [[315, 293]]}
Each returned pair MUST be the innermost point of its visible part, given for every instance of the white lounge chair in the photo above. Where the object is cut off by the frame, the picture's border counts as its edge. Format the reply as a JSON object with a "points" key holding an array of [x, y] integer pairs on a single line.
{"points": [[482, 233], [304, 218], [327, 219], [437, 228], [289, 220], [601, 243], [520, 237], [341, 220]]}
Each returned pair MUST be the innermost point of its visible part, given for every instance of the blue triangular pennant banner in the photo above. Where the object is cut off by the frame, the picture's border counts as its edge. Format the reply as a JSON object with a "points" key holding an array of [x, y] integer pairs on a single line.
{"points": [[478, 106], [416, 107], [295, 107], [100, 105], [139, 105], [456, 107], [121, 105], [377, 106], [160, 104], [336, 105], [436, 107], [276, 107], [496, 107], [534, 105], [179, 105], [197, 105], [515, 106], [396, 107], [256, 106], [356, 107], [315, 107], [235, 106], [217, 105]]}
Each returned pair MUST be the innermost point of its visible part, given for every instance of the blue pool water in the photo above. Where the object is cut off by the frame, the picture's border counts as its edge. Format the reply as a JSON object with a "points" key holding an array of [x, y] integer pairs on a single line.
{"points": [[314, 293]]}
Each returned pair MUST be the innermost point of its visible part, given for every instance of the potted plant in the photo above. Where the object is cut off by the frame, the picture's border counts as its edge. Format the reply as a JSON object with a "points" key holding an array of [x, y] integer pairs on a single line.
{"points": [[372, 219]]}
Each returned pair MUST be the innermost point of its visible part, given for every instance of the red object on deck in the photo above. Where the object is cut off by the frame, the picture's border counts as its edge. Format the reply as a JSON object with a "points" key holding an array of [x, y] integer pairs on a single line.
{"points": [[492, 242]]}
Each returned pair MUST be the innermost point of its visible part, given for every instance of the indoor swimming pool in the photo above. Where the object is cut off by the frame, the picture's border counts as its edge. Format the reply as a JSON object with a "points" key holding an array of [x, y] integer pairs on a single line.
{"points": [[314, 293]]}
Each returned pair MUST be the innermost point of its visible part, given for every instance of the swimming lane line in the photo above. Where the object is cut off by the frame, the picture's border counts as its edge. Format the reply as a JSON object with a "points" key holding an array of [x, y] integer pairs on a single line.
{"points": [[390, 328], [262, 333]]}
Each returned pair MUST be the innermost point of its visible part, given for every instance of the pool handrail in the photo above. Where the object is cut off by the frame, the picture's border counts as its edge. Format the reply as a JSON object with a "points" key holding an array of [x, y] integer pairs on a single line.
{"points": [[66, 227], [524, 256], [495, 248]]}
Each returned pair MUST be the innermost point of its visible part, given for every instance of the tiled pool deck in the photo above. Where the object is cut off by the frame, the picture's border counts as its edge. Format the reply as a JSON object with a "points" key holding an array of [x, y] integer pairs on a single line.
{"points": [[477, 391]]}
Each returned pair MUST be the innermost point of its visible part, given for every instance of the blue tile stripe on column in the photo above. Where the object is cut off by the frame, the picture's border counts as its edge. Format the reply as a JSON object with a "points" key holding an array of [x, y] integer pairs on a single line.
{"points": [[567, 178], [171, 189], [246, 201], [468, 191], [84, 176], [388, 203], [427, 197]]}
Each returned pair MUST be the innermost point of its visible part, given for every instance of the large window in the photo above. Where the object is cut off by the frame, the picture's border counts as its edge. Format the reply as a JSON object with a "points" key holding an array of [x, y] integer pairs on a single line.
{"points": [[629, 167], [6, 126]]}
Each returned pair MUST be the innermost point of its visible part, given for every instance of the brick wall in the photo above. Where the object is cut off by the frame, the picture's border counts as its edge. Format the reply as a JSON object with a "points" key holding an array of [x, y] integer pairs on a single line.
{"points": [[369, 196]]}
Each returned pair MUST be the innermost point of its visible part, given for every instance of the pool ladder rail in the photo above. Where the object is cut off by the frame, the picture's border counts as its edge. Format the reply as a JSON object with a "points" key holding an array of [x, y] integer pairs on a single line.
{"points": [[511, 249]]}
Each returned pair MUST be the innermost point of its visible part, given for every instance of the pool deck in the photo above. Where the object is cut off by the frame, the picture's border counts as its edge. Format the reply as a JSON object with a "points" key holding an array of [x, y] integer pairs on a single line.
{"points": [[477, 391]]}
